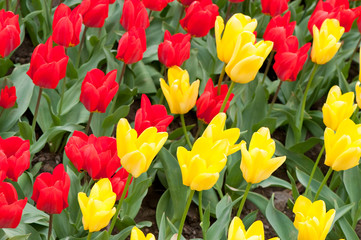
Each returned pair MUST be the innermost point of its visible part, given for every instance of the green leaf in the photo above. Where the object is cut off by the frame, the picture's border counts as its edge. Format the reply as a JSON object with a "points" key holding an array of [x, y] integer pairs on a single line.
{"points": [[206, 223], [340, 212], [347, 229], [143, 82], [23, 229], [26, 131], [295, 193], [250, 219], [33, 215], [179, 132], [112, 120], [21, 237], [5, 64]]}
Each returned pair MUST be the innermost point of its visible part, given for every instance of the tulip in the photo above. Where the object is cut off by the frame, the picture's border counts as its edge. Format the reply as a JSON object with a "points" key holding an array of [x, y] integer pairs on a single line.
{"points": [[257, 163], [139, 235], [94, 12], [51, 191], [131, 46], [8, 97], [134, 15], [3, 166], [325, 41], [98, 208], [247, 58], [200, 18], [9, 32], [237, 24], [343, 147], [186, 3], [67, 26], [17, 154], [201, 166], [11, 208], [274, 7], [289, 59], [98, 90], [157, 5], [175, 49], [118, 182], [151, 116], [337, 107], [180, 95], [358, 93], [97, 156], [311, 220], [136, 153], [237, 231], [48, 65], [209, 103]]}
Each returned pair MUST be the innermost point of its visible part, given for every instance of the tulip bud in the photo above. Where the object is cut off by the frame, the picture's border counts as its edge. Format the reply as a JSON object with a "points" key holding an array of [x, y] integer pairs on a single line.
{"points": [[94, 12], [131, 46], [274, 7], [8, 97], [139, 235], [237, 230], [9, 32], [134, 15], [156, 5]]}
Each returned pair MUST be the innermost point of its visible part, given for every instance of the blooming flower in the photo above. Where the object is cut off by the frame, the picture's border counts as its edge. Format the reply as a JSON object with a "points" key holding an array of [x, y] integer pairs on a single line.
{"points": [[134, 15], [237, 231], [9, 32], [139, 235], [8, 97], [274, 7], [131, 46], [94, 12]]}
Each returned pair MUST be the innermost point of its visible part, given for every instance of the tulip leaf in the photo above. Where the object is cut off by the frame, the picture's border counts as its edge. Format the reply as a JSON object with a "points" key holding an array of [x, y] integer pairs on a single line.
{"points": [[206, 223], [62, 226], [348, 231], [250, 219], [73, 209], [162, 228], [122, 234], [112, 120], [295, 193], [33, 215], [306, 145], [5, 64], [179, 132], [25, 181], [350, 177], [269, 122], [71, 97], [340, 212], [275, 181], [26, 131], [20, 237], [143, 80], [104, 235], [23, 229]]}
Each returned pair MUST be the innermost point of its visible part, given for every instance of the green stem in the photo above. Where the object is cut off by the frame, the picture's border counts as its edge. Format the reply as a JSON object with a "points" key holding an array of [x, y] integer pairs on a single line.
{"points": [[274, 98], [200, 205], [116, 95], [268, 66], [81, 46], [189, 201], [219, 190], [119, 206], [7, 5], [2, 111], [220, 79], [227, 96], [243, 199], [17, 5], [62, 95], [50, 226], [150, 15], [180, 17], [228, 13], [36, 110], [88, 124], [185, 130], [314, 170], [328, 174], [89, 236]]}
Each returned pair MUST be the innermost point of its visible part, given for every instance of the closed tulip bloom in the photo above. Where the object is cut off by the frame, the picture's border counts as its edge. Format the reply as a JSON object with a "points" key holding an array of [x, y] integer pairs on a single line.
{"points": [[131, 46], [51, 190], [48, 65], [180, 95], [137, 152], [200, 167], [358, 93], [200, 18], [96, 155], [235, 25], [157, 5], [67, 26], [97, 209], [11, 208], [175, 49], [3, 166], [151, 116], [311, 220], [257, 163], [247, 58], [274, 7], [237, 231], [9, 32], [134, 15], [118, 182], [337, 107], [209, 103], [17, 152], [343, 147], [98, 90], [8, 97], [289, 59], [139, 235], [94, 12], [325, 41]]}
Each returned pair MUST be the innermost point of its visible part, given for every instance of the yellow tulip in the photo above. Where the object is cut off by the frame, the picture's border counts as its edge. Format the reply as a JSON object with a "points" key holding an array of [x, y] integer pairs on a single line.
{"points": [[98, 209], [311, 220], [257, 163], [358, 94], [139, 235], [200, 167], [235, 25], [215, 131], [247, 57], [343, 147], [136, 153], [180, 95], [325, 41], [237, 231], [338, 107]]}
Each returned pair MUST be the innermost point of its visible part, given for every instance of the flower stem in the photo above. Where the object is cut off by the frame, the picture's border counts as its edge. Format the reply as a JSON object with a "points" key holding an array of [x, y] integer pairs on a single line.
{"points": [[89, 236], [220, 79], [243, 199], [268, 66], [328, 174], [81, 46], [62, 95], [17, 5], [227, 97], [119, 206], [228, 13], [88, 124], [36, 110], [180, 17], [189, 201], [200, 205], [185, 130], [314, 170], [150, 15], [274, 98], [116, 95], [50, 226], [7, 5]]}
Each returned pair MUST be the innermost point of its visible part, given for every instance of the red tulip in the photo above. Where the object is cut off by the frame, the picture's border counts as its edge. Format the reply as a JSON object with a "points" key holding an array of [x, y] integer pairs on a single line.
{"points": [[97, 156], [156, 5], [131, 46], [94, 12], [8, 97], [200, 18], [17, 152], [48, 65], [11, 208], [175, 49], [51, 191], [3, 166], [111, 1], [134, 15], [118, 182], [274, 7], [209, 103], [289, 60], [151, 116], [279, 29], [9, 32], [67, 26], [98, 90]]}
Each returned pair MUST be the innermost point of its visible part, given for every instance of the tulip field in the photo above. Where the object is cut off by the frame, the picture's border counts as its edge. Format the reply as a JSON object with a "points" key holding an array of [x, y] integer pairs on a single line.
{"points": [[180, 119]]}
